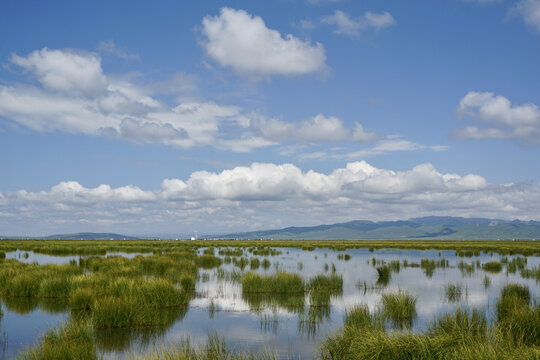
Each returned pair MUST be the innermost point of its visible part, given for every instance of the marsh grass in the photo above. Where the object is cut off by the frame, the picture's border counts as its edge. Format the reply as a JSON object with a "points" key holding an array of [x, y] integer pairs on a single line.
{"points": [[254, 263], [215, 349], [383, 275], [453, 292], [208, 261], [461, 335], [466, 269], [486, 282], [333, 282], [241, 262], [359, 317], [399, 308], [72, 341], [493, 267], [278, 283]]}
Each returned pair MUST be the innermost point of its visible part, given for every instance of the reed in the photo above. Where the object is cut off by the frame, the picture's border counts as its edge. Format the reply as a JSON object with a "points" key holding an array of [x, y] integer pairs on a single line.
{"points": [[453, 292], [72, 341], [208, 261], [278, 283], [399, 308], [383, 275], [254, 263], [326, 283], [493, 267]]}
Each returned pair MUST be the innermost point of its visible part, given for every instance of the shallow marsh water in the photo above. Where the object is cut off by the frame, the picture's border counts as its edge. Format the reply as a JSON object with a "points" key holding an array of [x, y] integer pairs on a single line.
{"points": [[269, 322]]}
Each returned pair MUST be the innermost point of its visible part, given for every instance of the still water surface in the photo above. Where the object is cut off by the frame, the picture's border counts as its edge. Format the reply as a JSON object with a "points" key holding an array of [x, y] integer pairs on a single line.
{"points": [[269, 324]]}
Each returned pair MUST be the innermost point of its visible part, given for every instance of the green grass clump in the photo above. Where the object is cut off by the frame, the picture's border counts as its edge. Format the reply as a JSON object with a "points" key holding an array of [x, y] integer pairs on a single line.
{"points": [[254, 263], [208, 261], [399, 308], [457, 336], [73, 341], [326, 283], [460, 326], [383, 275], [209, 251], [241, 263], [53, 288], [516, 290], [492, 267], [359, 317], [265, 264], [514, 297], [278, 283]]}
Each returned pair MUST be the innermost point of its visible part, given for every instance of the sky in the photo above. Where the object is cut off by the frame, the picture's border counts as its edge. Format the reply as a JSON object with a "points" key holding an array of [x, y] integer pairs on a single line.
{"points": [[170, 117]]}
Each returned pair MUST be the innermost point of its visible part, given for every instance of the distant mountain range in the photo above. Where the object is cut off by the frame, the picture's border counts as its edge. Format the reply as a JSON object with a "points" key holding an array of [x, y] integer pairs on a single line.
{"points": [[431, 227]]}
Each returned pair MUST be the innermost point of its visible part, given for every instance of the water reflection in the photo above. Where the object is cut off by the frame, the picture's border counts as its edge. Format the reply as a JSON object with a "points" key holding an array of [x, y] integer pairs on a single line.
{"points": [[293, 324]]}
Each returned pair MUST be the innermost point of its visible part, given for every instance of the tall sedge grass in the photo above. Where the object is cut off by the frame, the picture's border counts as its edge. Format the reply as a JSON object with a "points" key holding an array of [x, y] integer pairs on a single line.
{"points": [[461, 335], [72, 341], [322, 282], [399, 308], [383, 275], [453, 292], [277, 283], [493, 267]]}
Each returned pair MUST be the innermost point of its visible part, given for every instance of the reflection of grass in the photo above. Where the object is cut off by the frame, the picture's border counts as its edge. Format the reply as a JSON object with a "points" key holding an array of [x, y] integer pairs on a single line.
{"points": [[461, 335], [265, 264], [325, 283], [453, 292], [277, 283], [399, 308], [291, 302], [208, 261], [384, 275], [254, 263], [466, 269], [71, 341], [215, 349]]}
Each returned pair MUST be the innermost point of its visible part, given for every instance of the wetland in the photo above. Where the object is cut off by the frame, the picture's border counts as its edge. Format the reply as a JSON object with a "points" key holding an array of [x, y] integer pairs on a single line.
{"points": [[269, 299]]}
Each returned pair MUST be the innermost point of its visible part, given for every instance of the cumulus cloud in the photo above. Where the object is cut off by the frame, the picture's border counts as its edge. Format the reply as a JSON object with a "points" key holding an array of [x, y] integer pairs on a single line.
{"points": [[268, 195], [346, 25], [65, 71], [316, 129], [529, 10], [93, 103], [499, 117], [244, 43], [77, 97]]}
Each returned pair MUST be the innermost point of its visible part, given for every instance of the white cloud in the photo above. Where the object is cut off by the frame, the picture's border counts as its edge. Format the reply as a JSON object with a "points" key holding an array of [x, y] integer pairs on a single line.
{"points": [[110, 47], [314, 130], [530, 12], [500, 118], [77, 97], [65, 71], [242, 42], [266, 194], [345, 25]]}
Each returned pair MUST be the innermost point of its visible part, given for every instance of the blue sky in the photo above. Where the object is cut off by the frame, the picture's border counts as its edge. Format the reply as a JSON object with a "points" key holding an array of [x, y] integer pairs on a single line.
{"points": [[170, 117]]}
